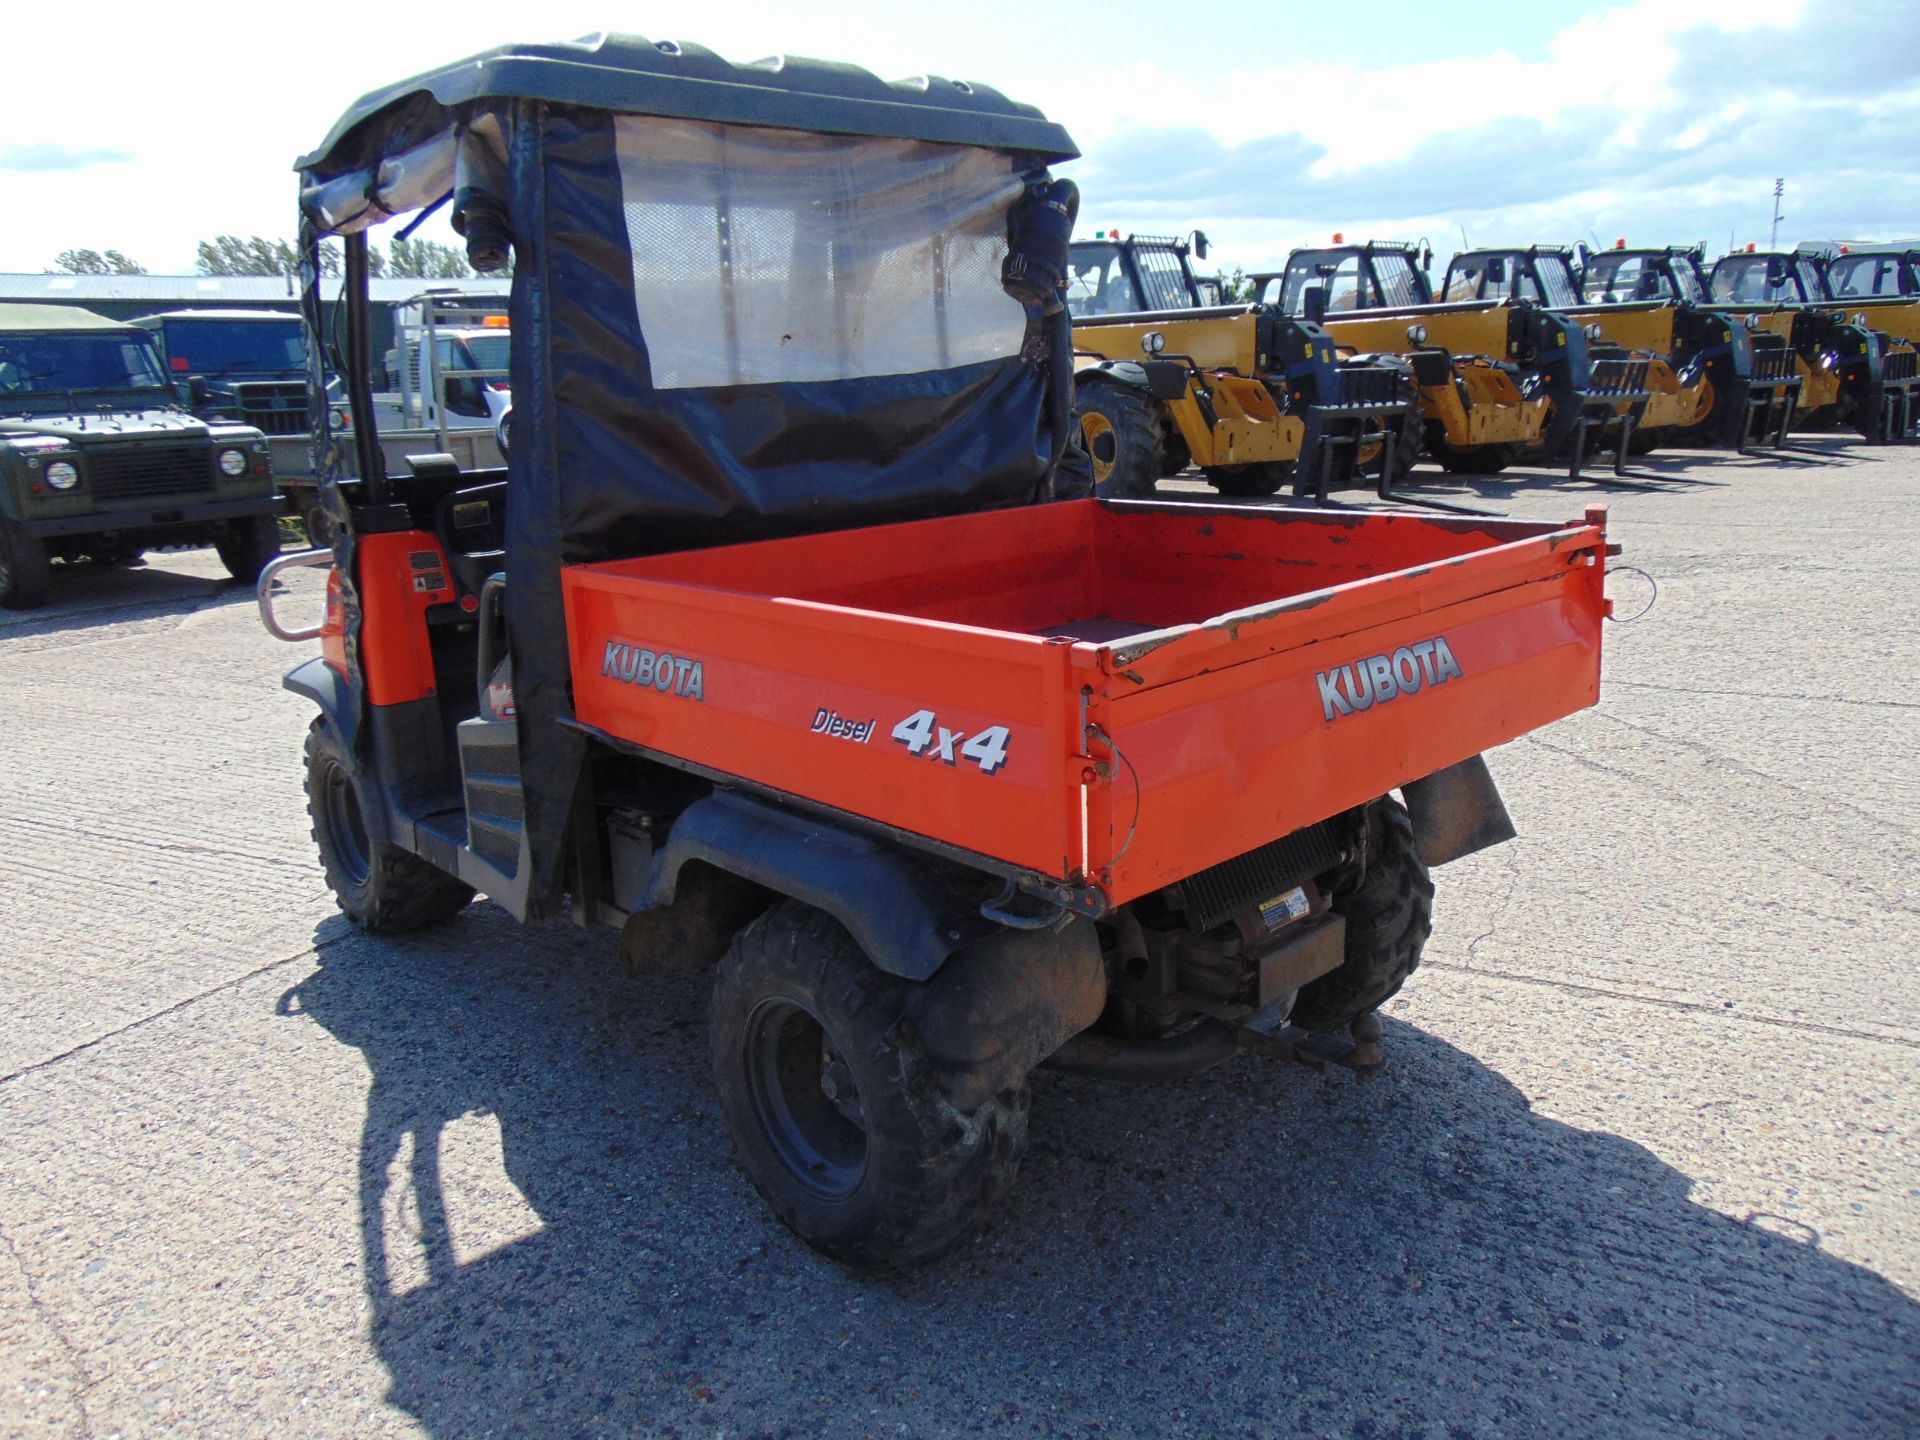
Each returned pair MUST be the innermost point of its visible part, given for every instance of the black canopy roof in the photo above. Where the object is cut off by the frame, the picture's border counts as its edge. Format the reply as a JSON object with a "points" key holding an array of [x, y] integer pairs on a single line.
{"points": [[634, 75]]}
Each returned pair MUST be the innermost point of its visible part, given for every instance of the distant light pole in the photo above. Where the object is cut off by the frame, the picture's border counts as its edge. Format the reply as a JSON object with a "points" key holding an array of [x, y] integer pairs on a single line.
{"points": [[1779, 189]]}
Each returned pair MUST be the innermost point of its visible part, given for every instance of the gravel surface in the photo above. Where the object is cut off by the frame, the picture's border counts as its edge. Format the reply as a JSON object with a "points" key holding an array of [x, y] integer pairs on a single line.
{"points": [[1644, 1162]]}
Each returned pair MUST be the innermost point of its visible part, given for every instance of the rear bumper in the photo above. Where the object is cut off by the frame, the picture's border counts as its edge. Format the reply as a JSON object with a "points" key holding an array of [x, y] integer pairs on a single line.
{"points": [[155, 519]]}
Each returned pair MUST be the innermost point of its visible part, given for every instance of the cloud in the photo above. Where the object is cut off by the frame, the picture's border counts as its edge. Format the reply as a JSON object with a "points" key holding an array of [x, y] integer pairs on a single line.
{"points": [[46, 157], [1639, 120]]}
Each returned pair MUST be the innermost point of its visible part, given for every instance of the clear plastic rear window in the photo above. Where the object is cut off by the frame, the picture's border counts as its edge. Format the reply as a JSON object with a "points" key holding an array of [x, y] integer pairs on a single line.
{"points": [[766, 256]]}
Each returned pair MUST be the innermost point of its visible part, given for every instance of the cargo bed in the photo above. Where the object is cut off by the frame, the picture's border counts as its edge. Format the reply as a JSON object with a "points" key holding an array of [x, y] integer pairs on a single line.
{"points": [[1110, 694]]}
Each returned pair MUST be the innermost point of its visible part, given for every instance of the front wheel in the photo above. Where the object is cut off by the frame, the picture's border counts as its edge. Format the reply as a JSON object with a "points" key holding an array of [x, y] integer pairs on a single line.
{"points": [[248, 545], [1124, 436], [25, 569], [1372, 462], [1386, 899], [836, 1113], [380, 887]]}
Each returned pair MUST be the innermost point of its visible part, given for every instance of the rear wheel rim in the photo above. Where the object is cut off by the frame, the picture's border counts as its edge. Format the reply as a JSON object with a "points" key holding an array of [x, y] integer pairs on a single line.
{"points": [[346, 828], [792, 1062], [1101, 442]]}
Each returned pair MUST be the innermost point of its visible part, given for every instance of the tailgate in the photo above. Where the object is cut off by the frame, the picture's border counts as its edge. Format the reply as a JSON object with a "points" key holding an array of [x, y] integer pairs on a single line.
{"points": [[1255, 724], [1038, 687]]}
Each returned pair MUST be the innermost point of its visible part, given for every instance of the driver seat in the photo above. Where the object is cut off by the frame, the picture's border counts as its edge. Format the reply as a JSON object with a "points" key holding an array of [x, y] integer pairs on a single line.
{"points": [[472, 528]]}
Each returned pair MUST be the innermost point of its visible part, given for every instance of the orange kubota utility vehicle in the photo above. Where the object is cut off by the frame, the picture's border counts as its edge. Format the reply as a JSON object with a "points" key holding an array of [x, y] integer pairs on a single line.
{"points": [[769, 648]]}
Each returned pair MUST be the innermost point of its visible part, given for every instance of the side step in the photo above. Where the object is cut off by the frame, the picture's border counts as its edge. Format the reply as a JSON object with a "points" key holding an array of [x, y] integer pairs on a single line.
{"points": [[495, 853]]}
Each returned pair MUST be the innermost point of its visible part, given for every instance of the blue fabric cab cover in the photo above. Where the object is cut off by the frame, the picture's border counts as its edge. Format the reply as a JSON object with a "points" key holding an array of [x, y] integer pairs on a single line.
{"points": [[757, 332]]}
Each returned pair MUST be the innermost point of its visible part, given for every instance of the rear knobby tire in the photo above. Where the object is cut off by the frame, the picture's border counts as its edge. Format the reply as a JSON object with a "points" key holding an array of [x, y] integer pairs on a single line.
{"points": [[248, 544], [1388, 908], [835, 1110], [380, 887], [25, 569], [1123, 432]]}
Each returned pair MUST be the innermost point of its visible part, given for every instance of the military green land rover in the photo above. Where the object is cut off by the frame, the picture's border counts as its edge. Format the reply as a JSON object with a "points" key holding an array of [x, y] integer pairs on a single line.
{"points": [[99, 461]]}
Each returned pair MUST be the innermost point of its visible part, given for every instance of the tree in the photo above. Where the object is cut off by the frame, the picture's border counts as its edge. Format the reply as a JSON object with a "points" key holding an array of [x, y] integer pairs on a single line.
{"points": [[255, 255], [231, 255], [426, 260], [1234, 285], [94, 262]]}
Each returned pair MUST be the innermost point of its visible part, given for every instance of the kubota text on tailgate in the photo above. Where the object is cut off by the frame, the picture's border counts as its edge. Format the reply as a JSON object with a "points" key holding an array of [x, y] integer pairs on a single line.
{"points": [[1380, 678]]}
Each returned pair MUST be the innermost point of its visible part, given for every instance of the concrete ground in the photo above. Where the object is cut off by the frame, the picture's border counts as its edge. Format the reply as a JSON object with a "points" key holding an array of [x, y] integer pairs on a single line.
{"points": [[1645, 1162]]}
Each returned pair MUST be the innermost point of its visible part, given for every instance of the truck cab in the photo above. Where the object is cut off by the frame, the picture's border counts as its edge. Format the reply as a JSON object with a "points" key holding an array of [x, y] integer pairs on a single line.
{"points": [[450, 364], [99, 461], [246, 367]]}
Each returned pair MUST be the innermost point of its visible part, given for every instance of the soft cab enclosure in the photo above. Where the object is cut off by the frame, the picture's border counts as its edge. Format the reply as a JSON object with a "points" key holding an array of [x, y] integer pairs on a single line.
{"points": [[1106, 695]]}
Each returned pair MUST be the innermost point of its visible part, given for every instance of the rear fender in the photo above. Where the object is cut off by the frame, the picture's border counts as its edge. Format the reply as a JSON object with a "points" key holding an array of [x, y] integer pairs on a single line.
{"points": [[990, 1006], [1456, 811], [893, 909]]}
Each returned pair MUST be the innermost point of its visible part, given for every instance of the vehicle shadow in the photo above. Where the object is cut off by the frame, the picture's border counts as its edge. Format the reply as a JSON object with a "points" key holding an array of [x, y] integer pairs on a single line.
{"points": [[85, 595], [1258, 1251]]}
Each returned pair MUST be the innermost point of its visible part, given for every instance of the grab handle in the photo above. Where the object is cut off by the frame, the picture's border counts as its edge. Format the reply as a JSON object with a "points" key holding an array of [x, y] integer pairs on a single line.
{"points": [[263, 591]]}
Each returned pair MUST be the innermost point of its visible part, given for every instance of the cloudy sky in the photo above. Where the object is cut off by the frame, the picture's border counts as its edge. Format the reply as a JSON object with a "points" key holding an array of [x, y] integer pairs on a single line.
{"points": [[146, 128]]}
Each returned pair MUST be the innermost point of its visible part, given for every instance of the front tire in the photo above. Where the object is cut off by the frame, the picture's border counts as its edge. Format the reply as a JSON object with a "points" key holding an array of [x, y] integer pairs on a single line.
{"points": [[1124, 435], [1388, 905], [836, 1114], [25, 569], [380, 887], [248, 545], [1406, 453]]}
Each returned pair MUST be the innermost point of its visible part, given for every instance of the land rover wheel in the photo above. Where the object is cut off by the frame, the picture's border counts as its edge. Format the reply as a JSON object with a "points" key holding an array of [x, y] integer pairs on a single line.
{"points": [[248, 544], [380, 887], [24, 568], [1121, 430], [835, 1111], [1386, 899]]}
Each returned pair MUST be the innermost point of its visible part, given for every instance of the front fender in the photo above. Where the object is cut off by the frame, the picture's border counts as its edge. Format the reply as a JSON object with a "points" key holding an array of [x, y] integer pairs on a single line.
{"points": [[328, 689]]}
